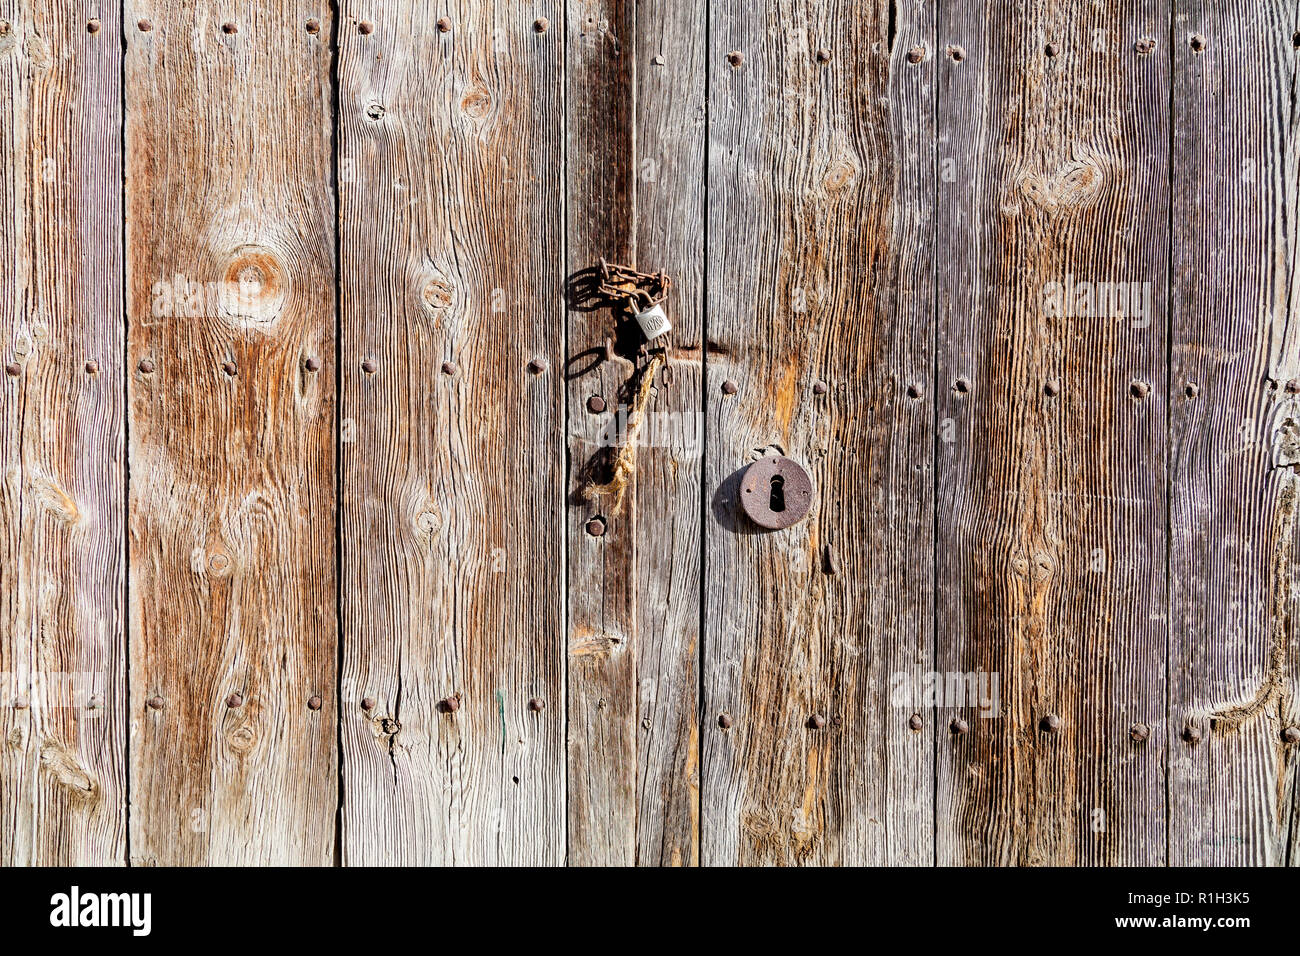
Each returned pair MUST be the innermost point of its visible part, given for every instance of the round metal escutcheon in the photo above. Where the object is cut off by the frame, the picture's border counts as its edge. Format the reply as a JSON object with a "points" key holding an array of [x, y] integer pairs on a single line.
{"points": [[775, 492]]}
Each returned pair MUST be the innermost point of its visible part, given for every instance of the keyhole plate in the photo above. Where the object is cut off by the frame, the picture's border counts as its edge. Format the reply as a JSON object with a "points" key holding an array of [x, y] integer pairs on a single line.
{"points": [[756, 492]]}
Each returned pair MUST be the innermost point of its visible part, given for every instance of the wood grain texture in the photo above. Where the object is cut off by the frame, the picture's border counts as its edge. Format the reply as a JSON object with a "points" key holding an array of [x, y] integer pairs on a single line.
{"points": [[232, 436], [1051, 515], [670, 133], [601, 593], [635, 132], [635, 95], [62, 649], [1234, 438], [451, 142], [381, 634], [820, 268]]}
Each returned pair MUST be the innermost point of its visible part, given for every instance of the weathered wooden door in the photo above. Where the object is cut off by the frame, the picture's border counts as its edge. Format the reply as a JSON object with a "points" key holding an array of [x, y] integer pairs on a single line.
{"points": [[301, 419]]}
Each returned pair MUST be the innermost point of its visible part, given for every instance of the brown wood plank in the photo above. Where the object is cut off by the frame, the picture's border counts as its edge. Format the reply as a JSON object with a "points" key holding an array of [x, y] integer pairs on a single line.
{"points": [[232, 433], [671, 78], [450, 155], [601, 591], [821, 218], [635, 95], [1233, 438], [62, 651], [1053, 150]]}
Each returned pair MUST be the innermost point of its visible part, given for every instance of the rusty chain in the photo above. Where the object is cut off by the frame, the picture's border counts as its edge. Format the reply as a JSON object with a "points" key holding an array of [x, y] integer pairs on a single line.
{"points": [[638, 290]]}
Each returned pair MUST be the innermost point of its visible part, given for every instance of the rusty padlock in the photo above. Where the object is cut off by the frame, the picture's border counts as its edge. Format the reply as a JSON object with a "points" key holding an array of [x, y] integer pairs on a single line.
{"points": [[775, 492]]}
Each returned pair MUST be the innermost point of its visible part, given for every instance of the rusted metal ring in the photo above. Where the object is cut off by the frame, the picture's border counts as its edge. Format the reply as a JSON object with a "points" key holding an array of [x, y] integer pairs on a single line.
{"points": [[775, 492]]}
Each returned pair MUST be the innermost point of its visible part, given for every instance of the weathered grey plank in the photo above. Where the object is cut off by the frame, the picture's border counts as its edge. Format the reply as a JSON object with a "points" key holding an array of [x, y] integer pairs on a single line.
{"points": [[1053, 153], [1233, 436], [821, 218], [450, 155], [62, 651], [232, 434], [671, 54], [635, 98]]}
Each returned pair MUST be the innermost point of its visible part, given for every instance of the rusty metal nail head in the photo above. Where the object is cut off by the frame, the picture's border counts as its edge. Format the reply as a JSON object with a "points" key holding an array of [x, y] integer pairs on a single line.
{"points": [[314, 703], [724, 721]]}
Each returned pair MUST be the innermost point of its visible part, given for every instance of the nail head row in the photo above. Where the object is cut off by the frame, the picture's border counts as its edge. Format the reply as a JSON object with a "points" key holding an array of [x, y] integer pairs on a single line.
{"points": [[233, 701], [146, 366]]}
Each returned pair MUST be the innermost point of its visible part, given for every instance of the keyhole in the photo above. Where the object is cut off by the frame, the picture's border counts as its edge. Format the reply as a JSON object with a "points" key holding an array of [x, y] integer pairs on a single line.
{"points": [[777, 501]]}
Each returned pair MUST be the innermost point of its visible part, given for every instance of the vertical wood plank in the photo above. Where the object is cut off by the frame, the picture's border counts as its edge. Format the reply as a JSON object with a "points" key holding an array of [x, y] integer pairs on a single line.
{"points": [[1053, 150], [1234, 437], [230, 272], [671, 128], [450, 157], [602, 584], [635, 133], [821, 193], [62, 650]]}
